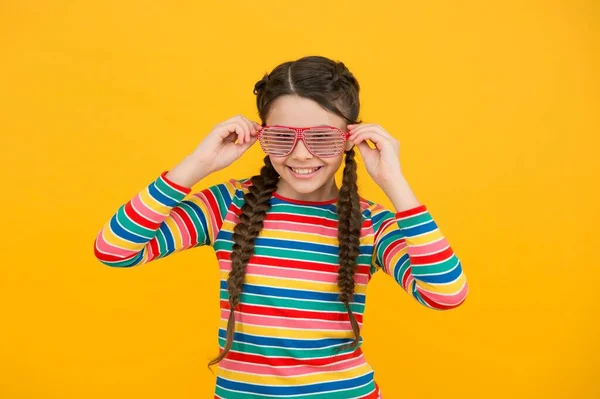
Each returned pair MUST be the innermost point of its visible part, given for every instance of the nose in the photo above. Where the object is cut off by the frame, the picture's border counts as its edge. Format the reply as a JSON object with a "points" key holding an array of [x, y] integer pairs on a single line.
{"points": [[300, 152]]}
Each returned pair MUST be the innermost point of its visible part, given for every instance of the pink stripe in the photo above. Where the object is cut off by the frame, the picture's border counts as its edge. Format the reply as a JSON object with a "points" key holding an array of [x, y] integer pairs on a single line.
{"points": [[304, 324], [301, 228], [383, 228], [448, 300], [107, 248], [293, 371], [431, 247], [186, 240], [142, 209], [212, 218], [396, 247], [289, 273]]}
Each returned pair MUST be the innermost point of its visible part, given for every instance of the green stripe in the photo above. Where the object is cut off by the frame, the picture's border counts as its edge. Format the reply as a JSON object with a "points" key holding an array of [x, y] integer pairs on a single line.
{"points": [[435, 269], [415, 220], [222, 207], [357, 308], [162, 244], [400, 270], [168, 190], [351, 393], [201, 229], [290, 254], [131, 226], [303, 210], [294, 353]]}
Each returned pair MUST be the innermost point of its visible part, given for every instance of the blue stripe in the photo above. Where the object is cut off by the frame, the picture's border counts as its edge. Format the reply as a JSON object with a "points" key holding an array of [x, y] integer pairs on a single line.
{"points": [[441, 278], [298, 245], [424, 228], [124, 234], [381, 217], [160, 197], [284, 342], [226, 197], [170, 241], [198, 212], [296, 294], [297, 389], [277, 201], [400, 269]]}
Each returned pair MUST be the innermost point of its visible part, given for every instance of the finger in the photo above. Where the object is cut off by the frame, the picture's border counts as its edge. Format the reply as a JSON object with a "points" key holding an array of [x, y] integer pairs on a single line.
{"points": [[234, 127], [257, 127], [360, 126], [369, 127], [363, 135], [245, 146], [380, 140], [376, 129], [248, 124], [365, 150]]}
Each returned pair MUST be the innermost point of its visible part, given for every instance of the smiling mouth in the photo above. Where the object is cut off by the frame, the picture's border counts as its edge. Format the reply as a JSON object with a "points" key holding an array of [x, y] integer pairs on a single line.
{"points": [[304, 171]]}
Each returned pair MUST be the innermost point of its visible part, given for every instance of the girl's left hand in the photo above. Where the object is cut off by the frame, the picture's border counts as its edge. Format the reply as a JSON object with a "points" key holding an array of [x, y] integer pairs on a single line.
{"points": [[383, 161]]}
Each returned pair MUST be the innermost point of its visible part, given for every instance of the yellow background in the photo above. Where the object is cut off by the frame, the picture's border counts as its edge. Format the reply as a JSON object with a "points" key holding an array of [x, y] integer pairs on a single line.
{"points": [[496, 105]]}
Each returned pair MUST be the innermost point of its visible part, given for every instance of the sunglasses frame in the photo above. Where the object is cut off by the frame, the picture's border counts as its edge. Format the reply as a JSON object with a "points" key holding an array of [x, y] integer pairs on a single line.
{"points": [[300, 136]]}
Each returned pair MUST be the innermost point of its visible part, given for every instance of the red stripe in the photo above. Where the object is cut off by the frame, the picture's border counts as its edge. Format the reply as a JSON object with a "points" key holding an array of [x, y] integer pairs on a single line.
{"points": [[313, 220], [174, 185], [372, 395], [292, 313], [294, 264], [139, 219], [433, 304], [433, 258], [285, 361], [213, 208], [189, 224], [405, 277], [154, 246], [411, 212], [392, 247]]}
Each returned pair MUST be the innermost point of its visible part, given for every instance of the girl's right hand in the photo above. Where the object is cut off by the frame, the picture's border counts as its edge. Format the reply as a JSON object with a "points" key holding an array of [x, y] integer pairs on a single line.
{"points": [[225, 143]]}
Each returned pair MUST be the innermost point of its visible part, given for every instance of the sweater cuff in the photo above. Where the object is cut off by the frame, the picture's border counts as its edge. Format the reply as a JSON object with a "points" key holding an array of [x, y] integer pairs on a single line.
{"points": [[173, 185], [167, 192], [412, 217]]}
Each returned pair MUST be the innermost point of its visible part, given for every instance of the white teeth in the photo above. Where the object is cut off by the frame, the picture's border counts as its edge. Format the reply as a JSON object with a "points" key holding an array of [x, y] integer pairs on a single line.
{"points": [[304, 171]]}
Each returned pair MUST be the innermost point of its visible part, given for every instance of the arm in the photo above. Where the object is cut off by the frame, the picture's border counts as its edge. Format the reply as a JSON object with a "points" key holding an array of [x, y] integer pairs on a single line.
{"points": [[409, 247], [158, 222]]}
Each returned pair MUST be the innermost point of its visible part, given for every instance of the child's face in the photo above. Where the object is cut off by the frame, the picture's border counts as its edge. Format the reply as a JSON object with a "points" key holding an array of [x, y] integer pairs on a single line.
{"points": [[297, 111]]}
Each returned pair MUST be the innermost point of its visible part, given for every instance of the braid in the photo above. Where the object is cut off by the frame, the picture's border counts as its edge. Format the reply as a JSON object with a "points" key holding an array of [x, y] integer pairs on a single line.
{"points": [[253, 212], [350, 223]]}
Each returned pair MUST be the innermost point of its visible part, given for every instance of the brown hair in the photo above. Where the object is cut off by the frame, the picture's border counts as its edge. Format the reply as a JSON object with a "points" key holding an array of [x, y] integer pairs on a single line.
{"points": [[333, 86]]}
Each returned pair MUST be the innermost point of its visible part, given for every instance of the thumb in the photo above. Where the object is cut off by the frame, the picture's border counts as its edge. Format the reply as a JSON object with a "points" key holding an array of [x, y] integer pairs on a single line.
{"points": [[365, 150]]}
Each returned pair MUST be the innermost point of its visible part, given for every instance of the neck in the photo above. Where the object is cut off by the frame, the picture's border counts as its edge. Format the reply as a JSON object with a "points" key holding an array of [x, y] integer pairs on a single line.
{"points": [[326, 192]]}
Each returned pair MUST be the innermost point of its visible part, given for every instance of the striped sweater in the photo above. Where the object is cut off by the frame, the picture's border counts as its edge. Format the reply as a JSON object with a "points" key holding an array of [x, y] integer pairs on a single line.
{"points": [[290, 323]]}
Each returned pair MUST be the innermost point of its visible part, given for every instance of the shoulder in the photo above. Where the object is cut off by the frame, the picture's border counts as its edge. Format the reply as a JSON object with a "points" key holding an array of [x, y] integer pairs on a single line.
{"points": [[371, 208]]}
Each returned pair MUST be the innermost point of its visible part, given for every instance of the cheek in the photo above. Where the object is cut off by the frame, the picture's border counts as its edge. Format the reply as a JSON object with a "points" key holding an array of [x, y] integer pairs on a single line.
{"points": [[333, 163], [278, 163]]}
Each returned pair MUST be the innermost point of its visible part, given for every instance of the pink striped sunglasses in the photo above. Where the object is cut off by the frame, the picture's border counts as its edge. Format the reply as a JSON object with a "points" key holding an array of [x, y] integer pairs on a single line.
{"points": [[321, 141]]}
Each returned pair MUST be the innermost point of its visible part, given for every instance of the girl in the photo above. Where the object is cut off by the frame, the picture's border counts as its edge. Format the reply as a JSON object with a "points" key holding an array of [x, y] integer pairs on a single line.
{"points": [[295, 251]]}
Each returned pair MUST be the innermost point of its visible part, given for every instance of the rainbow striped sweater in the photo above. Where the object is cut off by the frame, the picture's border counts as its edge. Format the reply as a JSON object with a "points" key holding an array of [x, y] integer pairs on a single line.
{"points": [[290, 322]]}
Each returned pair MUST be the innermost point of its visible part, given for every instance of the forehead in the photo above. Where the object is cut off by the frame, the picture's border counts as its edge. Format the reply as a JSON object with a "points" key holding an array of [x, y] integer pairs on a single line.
{"points": [[298, 111]]}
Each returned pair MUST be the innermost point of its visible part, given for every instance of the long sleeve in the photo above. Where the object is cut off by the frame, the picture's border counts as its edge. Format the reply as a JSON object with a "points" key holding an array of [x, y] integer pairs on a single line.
{"points": [[159, 221], [409, 247]]}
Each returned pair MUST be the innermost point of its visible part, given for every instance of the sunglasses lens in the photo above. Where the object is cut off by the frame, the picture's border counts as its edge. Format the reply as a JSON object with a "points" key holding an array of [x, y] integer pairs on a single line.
{"points": [[277, 141], [324, 142]]}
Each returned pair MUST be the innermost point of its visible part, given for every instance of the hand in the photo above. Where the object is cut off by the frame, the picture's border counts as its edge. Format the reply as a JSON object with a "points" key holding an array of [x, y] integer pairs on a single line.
{"points": [[218, 150], [383, 161], [225, 143]]}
